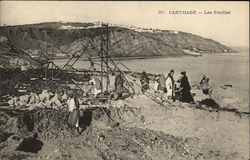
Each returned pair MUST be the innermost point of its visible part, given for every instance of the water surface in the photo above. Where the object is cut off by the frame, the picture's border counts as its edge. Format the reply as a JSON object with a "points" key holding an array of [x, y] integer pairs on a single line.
{"points": [[222, 69]]}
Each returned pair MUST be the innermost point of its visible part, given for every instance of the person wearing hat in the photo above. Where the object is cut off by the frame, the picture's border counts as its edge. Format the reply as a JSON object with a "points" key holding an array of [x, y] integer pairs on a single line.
{"points": [[185, 89], [170, 85]]}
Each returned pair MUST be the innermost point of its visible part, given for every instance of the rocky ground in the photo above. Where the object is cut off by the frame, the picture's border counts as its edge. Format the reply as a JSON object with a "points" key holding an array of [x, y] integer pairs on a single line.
{"points": [[135, 128]]}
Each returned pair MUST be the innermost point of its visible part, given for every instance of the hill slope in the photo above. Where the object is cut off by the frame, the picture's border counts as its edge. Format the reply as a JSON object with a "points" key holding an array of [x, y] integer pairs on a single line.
{"points": [[57, 38], [12, 57]]}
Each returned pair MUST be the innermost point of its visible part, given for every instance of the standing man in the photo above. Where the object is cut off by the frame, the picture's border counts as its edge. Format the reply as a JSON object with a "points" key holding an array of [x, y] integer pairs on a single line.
{"points": [[170, 85]]}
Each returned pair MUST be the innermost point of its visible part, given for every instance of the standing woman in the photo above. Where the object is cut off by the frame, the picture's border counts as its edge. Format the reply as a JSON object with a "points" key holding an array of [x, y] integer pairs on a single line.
{"points": [[74, 113], [185, 89]]}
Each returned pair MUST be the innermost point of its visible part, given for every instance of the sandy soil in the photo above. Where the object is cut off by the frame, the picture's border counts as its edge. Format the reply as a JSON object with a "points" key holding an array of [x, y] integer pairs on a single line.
{"points": [[139, 129], [225, 131]]}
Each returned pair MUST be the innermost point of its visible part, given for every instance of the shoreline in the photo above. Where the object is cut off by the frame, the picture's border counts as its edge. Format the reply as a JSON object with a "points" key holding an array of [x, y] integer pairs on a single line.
{"points": [[145, 57]]}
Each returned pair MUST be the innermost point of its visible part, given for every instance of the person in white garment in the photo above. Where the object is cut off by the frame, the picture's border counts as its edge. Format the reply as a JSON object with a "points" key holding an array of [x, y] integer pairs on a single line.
{"points": [[73, 105], [97, 85], [170, 85]]}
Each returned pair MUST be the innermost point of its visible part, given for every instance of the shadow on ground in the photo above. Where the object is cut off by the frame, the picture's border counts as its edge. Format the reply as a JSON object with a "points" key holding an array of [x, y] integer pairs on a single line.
{"points": [[31, 144], [212, 104]]}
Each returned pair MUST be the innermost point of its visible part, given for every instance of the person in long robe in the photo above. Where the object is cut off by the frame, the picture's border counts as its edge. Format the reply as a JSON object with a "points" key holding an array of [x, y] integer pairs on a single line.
{"points": [[119, 85], [185, 89], [97, 85], [74, 113], [162, 83], [170, 85]]}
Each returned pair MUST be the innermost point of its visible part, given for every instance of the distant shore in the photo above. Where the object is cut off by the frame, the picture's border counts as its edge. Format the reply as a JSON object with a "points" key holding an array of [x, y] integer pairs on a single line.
{"points": [[143, 57]]}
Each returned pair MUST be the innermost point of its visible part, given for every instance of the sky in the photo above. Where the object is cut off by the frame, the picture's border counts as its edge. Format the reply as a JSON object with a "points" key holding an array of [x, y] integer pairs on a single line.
{"points": [[229, 29]]}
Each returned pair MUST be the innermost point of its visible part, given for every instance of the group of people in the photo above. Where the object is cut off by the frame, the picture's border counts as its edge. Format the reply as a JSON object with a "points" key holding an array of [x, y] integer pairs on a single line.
{"points": [[179, 89], [175, 90], [96, 89], [113, 82]]}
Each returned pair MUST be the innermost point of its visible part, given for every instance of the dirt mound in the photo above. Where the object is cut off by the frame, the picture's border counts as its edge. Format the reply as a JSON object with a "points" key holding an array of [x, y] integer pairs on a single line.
{"points": [[118, 143], [106, 135], [52, 123], [101, 139], [40, 121], [127, 115]]}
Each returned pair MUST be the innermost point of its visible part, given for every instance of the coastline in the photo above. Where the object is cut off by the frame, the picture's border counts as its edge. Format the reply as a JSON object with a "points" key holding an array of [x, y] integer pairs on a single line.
{"points": [[144, 57]]}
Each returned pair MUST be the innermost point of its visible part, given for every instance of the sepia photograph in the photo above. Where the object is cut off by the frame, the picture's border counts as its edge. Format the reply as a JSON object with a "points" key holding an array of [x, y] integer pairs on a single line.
{"points": [[124, 80]]}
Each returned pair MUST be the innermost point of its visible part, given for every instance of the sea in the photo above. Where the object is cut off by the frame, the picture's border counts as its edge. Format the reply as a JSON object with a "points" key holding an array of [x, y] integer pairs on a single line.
{"points": [[221, 68]]}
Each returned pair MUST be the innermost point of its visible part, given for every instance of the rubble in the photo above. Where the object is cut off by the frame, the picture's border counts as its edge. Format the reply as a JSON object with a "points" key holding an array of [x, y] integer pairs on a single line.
{"points": [[33, 100]]}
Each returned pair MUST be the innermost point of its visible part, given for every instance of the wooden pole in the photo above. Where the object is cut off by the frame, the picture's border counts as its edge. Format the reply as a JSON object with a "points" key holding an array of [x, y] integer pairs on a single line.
{"points": [[107, 55]]}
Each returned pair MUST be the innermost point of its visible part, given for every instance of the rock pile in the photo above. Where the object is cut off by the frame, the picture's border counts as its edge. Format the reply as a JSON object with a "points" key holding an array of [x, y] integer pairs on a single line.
{"points": [[44, 100]]}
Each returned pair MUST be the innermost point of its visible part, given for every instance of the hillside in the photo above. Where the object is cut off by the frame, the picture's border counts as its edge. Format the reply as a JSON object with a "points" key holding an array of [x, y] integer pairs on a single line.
{"points": [[61, 39], [12, 57]]}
